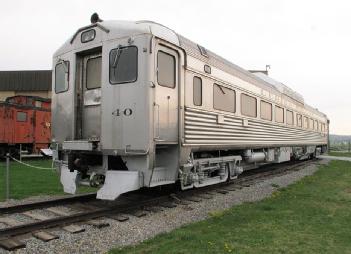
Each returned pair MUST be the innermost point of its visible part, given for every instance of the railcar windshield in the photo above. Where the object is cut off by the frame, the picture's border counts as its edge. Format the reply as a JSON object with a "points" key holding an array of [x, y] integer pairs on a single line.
{"points": [[61, 76], [123, 65]]}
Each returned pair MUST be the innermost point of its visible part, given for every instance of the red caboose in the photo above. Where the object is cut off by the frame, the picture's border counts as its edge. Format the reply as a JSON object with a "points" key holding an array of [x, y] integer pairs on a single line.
{"points": [[26, 121]]}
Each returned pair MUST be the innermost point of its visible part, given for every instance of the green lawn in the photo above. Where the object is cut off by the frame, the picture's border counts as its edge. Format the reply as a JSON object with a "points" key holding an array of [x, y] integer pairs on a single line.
{"points": [[339, 154], [310, 216], [26, 181]]}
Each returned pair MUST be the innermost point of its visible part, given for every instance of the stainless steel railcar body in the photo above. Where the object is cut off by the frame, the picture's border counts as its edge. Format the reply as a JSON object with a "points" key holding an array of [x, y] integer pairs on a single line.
{"points": [[137, 105]]}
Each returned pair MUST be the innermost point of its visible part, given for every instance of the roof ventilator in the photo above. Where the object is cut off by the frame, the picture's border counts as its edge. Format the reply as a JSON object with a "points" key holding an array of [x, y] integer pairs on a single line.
{"points": [[203, 51]]}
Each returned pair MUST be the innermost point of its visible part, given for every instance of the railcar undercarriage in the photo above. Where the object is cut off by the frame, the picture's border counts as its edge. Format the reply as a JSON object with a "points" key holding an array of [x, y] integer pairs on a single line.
{"points": [[206, 168], [112, 176]]}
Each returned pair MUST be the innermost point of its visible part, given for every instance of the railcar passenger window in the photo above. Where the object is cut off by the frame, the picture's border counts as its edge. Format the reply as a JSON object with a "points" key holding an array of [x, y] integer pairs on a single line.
{"points": [[248, 105], [93, 73], [289, 117], [279, 114], [311, 124], [166, 69], [123, 65], [266, 111], [197, 91], [223, 98], [299, 120], [305, 122], [61, 77], [21, 116]]}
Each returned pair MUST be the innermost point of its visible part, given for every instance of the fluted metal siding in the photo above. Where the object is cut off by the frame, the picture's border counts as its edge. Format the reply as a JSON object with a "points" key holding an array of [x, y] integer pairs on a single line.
{"points": [[201, 128]]}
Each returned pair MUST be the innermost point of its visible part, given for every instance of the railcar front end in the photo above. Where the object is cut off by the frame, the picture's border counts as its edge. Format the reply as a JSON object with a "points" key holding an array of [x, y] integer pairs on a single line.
{"points": [[108, 113]]}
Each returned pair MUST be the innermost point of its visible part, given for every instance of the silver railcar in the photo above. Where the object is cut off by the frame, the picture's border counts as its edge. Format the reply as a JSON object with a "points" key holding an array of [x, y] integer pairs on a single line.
{"points": [[137, 105]]}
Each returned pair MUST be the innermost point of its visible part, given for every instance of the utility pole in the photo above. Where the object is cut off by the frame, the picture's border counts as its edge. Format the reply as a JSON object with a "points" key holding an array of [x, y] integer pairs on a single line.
{"points": [[20, 153], [328, 144], [7, 193]]}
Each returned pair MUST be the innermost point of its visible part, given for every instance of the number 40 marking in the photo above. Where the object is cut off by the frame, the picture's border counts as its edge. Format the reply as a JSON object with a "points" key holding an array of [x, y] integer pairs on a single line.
{"points": [[126, 112]]}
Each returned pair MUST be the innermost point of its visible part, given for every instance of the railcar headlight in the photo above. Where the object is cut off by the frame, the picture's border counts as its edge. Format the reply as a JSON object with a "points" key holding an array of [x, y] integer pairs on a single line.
{"points": [[88, 36]]}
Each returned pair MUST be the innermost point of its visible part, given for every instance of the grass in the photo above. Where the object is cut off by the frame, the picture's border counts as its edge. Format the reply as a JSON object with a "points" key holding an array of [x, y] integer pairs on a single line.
{"points": [[339, 154], [27, 182], [310, 216]]}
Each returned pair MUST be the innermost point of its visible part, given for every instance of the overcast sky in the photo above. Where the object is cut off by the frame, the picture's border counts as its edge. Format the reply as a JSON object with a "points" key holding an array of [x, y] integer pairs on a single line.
{"points": [[307, 43]]}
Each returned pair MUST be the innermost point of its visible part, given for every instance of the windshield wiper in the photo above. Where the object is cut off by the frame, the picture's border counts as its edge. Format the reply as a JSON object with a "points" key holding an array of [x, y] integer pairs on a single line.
{"points": [[64, 63], [221, 88], [117, 57]]}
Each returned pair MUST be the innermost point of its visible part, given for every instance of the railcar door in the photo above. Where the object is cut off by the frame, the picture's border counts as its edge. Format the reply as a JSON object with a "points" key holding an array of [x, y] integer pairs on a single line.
{"points": [[91, 93], [23, 126], [166, 95]]}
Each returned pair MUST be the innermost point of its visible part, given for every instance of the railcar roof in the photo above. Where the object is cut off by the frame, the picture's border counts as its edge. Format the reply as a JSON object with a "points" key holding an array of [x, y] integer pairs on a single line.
{"points": [[280, 86], [118, 29]]}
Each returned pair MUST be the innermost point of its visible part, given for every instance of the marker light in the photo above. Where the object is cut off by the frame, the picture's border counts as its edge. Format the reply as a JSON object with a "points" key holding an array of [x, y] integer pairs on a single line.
{"points": [[88, 36]]}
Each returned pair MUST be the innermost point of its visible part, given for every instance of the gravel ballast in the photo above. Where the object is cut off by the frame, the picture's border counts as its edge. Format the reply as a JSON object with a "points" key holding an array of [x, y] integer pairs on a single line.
{"points": [[135, 230]]}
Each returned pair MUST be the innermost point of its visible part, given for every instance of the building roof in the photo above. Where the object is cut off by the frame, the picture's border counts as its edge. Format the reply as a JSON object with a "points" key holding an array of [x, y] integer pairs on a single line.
{"points": [[37, 80]]}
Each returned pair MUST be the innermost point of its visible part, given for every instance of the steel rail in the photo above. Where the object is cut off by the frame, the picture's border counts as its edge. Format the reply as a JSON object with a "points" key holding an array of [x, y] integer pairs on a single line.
{"points": [[47, 203]]}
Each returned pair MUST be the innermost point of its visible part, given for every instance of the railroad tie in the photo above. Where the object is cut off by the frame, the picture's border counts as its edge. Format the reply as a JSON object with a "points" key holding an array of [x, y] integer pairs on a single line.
{"points": [[153, 209], [119, 217], [45, 236], [73, 229], [205, 196], [232, 188], [168, 205], [57, 211], [175, 199], [35, 216], [193, 199], [222, 191], [184, 202], [12, 244], [10, 222], [139, 213], [98, 223], [85, 207], [211, 192], [187, 208]]}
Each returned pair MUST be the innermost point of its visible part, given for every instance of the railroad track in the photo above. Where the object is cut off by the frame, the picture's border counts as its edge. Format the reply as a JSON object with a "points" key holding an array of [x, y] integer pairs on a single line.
{"points": [[90, 210], [47, 203]]}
